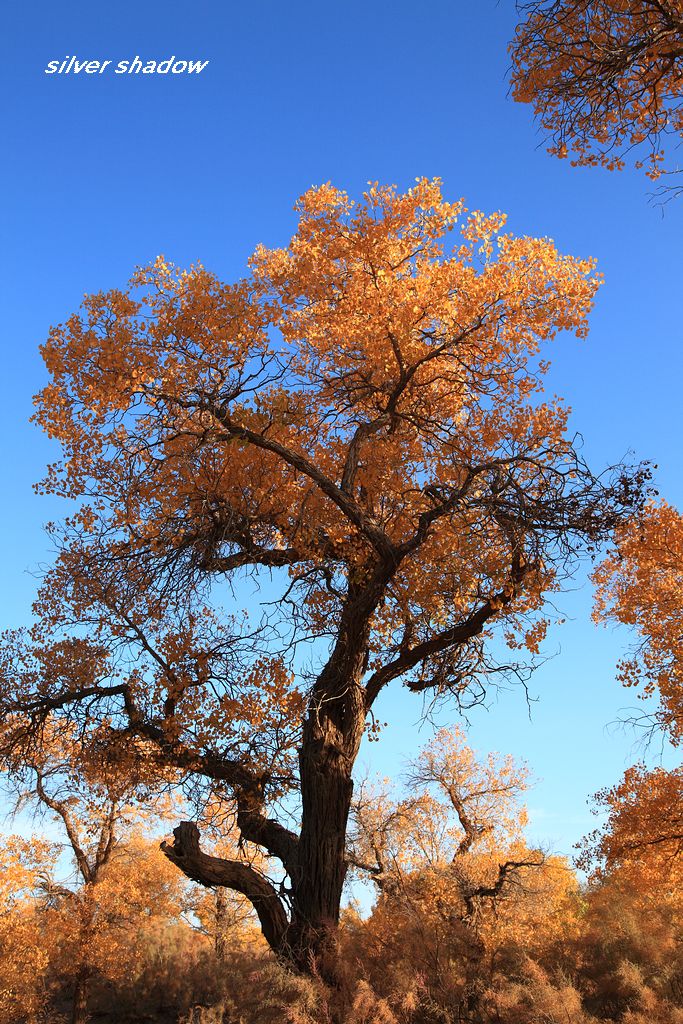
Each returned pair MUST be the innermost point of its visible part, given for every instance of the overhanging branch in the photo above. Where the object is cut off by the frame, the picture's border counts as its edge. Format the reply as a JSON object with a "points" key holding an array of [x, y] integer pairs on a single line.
{"points": [[213, 872]]}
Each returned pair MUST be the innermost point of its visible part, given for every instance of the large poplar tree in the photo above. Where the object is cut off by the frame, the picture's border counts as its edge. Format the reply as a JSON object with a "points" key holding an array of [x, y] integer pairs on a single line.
{"points": [[333, 478]]}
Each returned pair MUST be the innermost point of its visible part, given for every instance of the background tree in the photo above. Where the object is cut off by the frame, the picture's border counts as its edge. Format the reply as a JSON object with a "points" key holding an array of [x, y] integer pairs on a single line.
{"points": [[636, 857], [459, 815], [451, 864], [630, 938], [67, 945], [356, 431], [604, 77], [90, 923], [24, 959], [639, 584], [643, 833]]}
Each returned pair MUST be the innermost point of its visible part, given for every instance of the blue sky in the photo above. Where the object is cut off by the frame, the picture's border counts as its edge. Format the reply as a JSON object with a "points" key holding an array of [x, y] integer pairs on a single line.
{"points": [[101, 173]]}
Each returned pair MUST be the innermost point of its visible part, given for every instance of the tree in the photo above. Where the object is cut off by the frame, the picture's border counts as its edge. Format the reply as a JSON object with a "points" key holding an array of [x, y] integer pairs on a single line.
{"points": [[461, 815], [23, 958], [87, 922], [604, 77], [643, 832], [355, 431], [65, 942], [630, 940], [640, 584], [458, 885]]}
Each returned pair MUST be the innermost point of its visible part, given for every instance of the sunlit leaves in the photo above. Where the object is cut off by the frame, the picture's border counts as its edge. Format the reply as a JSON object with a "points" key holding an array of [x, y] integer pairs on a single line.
{"points": [[640, 584]]}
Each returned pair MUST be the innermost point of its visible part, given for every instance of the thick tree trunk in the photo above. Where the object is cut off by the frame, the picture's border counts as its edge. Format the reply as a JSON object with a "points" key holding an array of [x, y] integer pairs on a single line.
{"points": [[331, 739], [79, 1012], [316, 860], [326, 791]]}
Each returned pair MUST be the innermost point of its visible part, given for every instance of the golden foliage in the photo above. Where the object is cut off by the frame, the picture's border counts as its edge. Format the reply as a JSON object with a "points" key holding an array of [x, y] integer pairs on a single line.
{"points": [[604, 77], [640, 584]]}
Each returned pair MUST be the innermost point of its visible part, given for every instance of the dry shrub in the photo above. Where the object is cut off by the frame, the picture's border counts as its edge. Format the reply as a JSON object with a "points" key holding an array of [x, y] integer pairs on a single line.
{"points": [[535, 998]]}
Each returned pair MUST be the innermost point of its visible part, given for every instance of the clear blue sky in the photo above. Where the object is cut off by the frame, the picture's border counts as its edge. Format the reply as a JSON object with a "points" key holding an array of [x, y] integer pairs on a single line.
{"points": [[100, 173]]}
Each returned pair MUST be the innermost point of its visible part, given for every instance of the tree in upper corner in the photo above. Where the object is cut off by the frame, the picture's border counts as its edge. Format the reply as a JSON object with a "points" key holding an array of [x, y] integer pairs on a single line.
{"points": [[355, 432], [605, 77]]}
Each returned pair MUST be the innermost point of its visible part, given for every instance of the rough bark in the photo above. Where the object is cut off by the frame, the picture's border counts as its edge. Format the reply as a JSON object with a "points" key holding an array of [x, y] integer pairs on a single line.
{"points": [[220, 925], [79, 1010], [332, 734]]}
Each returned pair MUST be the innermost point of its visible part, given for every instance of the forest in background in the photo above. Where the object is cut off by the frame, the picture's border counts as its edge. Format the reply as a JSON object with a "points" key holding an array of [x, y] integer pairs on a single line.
{"points": [[467, 922]]}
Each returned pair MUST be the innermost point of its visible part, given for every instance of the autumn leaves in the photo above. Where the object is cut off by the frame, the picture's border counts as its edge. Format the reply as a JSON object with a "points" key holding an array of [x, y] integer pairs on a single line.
{"points": [[604, 78]]}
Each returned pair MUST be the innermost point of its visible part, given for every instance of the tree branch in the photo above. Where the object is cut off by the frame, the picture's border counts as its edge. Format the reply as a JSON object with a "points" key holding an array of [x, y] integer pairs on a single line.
{"points": [[210, 871], [457, 634]]}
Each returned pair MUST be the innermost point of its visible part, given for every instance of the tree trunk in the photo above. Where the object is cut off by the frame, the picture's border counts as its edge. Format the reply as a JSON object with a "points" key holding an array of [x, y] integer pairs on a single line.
{"points": [[79, 1012], [330, 743], [332, 734], [306, 939], [220, 925], [326, 792]]}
